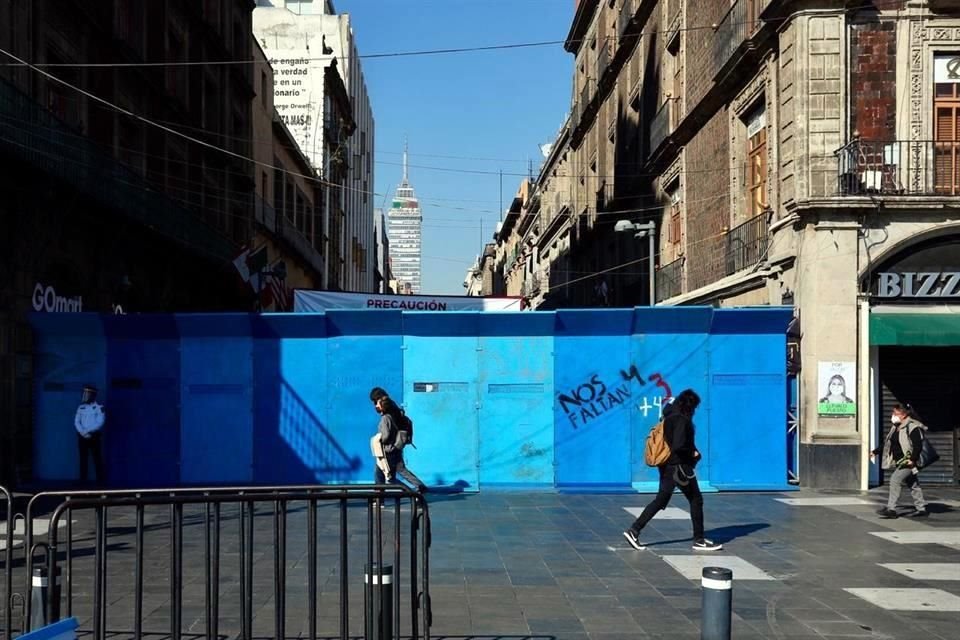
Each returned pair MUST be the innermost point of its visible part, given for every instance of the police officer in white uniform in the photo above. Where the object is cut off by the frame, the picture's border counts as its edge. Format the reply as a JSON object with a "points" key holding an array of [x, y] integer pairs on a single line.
{"points": [[89, 425]]}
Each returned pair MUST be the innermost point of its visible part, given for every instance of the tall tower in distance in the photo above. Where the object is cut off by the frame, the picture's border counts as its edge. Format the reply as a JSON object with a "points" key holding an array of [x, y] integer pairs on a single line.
{"points": [[404, 231]]}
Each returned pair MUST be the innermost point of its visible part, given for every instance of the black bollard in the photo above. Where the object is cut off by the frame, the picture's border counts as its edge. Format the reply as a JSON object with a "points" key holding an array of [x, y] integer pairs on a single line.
{"points": [[379, 614], [717, 583], [41, 591]]}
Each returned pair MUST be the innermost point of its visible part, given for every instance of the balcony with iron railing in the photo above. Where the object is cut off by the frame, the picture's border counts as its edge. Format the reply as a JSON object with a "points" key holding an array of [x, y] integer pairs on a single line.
{"points": [[532, 285], [660, 126], [606, 200], [33, 137], [898, 168], [625, 19], [670, 280], [586, 95], [733, 36], [747, 244], [603, 57], [285, 231]]}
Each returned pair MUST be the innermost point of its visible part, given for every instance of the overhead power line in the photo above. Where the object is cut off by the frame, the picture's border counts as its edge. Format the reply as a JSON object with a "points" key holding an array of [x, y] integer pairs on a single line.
{"points": [[397, 54]]}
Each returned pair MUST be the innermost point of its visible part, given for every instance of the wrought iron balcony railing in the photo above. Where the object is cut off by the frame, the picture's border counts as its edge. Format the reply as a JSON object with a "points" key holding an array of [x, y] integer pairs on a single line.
{"points": [[747, 244], [899, 168], [670, 280], [605, 198], [737, 27], [603, 58], [625, 18], [660, 125]]}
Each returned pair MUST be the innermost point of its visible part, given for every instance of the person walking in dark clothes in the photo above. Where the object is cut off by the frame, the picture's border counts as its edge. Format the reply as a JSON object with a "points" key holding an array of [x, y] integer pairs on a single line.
{"points": [[392, 440], [677, 471], [901, 455]]}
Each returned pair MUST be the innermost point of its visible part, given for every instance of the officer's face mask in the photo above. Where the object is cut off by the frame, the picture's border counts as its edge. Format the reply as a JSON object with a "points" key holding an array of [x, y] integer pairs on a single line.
{"points": [[896, 420]]}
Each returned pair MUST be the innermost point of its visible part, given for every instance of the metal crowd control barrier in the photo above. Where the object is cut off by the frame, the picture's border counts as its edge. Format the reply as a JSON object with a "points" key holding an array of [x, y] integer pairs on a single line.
{"points": [[213, 504], [9, 524]]}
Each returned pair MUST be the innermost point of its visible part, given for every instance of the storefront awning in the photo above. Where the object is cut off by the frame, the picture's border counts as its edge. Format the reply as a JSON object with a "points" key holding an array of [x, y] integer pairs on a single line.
{"points": [[915, 329]]}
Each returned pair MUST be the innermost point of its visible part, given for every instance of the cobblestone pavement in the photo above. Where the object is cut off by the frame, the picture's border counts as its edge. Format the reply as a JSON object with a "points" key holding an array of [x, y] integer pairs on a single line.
{"points": [[555, 566]]}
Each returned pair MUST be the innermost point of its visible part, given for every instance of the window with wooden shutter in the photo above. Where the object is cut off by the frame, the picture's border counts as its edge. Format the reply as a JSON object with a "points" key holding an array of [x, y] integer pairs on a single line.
{"points": [[947, 146], [675, 224], [757, 163]]}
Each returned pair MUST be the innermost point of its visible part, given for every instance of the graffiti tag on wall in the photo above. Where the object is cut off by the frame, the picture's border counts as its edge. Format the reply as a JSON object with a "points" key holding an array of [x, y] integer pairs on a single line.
{"points": [[594, 398]]}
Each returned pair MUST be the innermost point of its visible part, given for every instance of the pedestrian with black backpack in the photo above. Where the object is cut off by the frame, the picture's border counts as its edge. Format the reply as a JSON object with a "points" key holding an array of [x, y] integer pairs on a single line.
{"points": [[676, 456], [905, 451], [395, 431]]}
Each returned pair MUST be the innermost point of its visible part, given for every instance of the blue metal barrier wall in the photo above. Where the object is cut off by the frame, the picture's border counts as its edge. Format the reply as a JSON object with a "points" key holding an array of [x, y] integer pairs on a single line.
{"points": [[67, 355], [216, 367], [669, 353], [533, 400]]}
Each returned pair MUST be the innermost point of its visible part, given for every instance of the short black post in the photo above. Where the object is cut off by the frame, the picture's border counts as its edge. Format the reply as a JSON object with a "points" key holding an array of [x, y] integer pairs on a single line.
{"points": [[40, 593], [379, 614], [717, 583]]}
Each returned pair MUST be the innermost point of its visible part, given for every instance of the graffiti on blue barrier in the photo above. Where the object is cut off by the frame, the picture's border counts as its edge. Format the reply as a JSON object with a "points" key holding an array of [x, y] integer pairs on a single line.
{"points": [[594, 398]]}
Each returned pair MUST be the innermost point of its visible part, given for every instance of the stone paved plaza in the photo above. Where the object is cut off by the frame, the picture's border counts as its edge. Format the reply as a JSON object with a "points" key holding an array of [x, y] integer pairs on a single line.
{"points": [[555, 566]]}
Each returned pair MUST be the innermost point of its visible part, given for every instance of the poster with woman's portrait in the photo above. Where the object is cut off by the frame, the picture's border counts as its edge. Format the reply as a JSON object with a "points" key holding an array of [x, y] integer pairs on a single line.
{"points": [[836, 389]]}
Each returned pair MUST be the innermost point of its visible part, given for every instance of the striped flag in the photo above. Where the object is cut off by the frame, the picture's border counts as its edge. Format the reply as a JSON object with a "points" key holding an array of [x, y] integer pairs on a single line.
{"points": [[278, 290]]}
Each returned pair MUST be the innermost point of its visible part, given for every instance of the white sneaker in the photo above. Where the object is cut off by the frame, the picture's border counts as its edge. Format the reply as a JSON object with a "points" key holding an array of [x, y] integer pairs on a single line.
{"points": [[634, 540], [706, 545]]}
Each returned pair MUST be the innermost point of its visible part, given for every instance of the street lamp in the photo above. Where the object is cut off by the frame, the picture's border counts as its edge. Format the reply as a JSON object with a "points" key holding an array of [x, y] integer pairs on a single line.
{"points": [[641, 229]]}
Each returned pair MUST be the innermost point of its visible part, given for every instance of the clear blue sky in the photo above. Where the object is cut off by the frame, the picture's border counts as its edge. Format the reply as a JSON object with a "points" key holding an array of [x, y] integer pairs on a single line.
{"points": [[493, 105]]}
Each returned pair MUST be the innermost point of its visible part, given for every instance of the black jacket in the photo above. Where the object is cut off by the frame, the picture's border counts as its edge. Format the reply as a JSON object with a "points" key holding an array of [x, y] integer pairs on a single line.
{"points": [[679, 432]]}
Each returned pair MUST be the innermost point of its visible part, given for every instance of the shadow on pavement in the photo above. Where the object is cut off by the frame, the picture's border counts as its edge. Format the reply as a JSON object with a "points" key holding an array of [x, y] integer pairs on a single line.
{"points": [[722, 535]]}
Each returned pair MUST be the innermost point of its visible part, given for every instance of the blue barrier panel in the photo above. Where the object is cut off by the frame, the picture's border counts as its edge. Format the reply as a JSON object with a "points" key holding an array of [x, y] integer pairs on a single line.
{"points": [[516, 400], [142, 435], [593, 402], [364, 350], [669, 354], [69, 352], [291, 443], [530, 400], [747, 399], [440, 371], [216, 391]]}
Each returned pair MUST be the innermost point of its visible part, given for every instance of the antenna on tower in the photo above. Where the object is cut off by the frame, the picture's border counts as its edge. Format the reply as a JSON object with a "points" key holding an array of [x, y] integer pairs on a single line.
{"points": [[405, 145]]}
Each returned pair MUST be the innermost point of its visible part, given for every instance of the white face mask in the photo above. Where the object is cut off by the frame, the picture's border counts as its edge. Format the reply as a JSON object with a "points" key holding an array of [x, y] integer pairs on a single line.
{"points": [[896, 420]]}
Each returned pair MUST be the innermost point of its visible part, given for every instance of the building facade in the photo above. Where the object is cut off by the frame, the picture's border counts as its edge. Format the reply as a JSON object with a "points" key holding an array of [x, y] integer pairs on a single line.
{"points": [[109, 213], [799, 153], [294, 210], [405, 231], [302, 38]]}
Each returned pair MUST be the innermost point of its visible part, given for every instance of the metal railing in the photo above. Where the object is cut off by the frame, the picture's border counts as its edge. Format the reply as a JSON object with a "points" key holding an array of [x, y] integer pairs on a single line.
{"points": [[747, 244], [898, 168], [9, 522], [586, 95], [626, 16], [122, 524], [606, 198], [737, 27], [603, 58], [660, 125], [531, 286], [37, 138], [670, 280], [730, 34]]}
